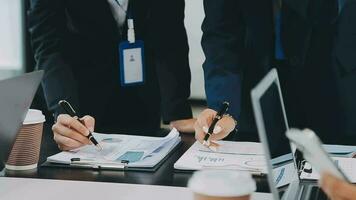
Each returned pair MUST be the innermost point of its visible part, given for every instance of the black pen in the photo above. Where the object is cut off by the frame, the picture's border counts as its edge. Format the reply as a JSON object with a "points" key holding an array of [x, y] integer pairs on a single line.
{"points": [[218, 116], [70, 111]]}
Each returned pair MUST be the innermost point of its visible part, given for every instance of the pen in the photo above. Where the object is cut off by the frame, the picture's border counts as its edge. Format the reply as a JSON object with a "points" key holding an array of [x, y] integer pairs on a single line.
{"points": [[218, 116], [70, 111]]}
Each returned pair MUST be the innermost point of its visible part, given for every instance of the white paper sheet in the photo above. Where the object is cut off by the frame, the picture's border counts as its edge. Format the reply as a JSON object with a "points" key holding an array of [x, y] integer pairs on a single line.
{"points": [[199, 157], [284, 175], [144, 144], [241, 148]]}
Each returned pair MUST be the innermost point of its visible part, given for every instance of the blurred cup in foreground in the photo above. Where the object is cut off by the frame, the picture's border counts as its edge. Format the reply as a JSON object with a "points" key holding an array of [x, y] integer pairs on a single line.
{"points": [[25, 152], [222, 185]]}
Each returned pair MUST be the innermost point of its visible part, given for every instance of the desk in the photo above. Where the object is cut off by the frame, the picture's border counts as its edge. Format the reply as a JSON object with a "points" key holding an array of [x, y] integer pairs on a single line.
{"points": [[23, 189], [164, 176]]}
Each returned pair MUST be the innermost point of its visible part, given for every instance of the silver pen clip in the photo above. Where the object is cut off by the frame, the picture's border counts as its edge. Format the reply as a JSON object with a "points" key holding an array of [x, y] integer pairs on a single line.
{"points": [[98, 165]]}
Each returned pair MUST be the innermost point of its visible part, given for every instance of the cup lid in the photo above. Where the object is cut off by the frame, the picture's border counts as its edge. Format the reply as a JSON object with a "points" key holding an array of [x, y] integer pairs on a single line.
{"points": [[222, 183], [34, 116]]}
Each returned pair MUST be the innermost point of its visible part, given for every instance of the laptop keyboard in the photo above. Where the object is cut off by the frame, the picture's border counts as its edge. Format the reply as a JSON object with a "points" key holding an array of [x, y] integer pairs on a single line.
{"points": [[317, 194]]}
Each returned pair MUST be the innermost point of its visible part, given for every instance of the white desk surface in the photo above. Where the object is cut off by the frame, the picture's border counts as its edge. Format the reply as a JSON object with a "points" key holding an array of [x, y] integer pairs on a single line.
{"points": [[41, 189]]}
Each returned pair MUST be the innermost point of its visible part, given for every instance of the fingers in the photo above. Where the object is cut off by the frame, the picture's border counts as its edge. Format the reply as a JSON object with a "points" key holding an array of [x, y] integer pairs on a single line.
{"points": [[59, 129], [69, 133], [217, 129], [206, 117], [337, 189], [345, 190], [326, 183], [223, 128], [202, 123], [63, 147], [73, 123], [199, 133], [213, 146], [65, 143], [199, 136], [89, 122]]}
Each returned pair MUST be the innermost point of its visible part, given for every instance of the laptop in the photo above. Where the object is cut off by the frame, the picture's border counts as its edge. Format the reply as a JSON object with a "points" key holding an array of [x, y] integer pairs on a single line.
{"points": [[272, 124], [16, 98]]}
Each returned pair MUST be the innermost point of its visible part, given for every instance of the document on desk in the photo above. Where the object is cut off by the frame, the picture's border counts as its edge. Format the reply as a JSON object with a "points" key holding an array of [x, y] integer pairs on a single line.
{"points": [[340, 150], [133, 151], [284, 175], [244, 156]]}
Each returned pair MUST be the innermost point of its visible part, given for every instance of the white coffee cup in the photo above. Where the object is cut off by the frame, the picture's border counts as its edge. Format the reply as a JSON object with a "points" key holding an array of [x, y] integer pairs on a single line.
{"points": [[26, 149], [222, 185]]}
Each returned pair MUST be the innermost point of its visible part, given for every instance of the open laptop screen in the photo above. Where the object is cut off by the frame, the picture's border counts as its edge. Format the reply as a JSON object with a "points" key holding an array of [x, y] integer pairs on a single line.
{"points": [[275, 129], [274, 122]]}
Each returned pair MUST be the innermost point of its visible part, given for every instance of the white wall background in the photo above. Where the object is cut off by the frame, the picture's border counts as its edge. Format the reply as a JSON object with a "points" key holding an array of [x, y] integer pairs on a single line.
{"points": [[11, 37], [194, 15], [10, 34]]}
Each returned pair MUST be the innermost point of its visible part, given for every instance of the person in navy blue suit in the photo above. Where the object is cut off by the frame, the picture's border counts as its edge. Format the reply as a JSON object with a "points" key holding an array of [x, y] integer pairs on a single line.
{"points": [[304, 40], [237, 45]]}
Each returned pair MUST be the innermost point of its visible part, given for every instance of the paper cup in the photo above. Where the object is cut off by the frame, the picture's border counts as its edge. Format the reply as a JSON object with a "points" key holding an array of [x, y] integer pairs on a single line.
{"points": [[222, 185], [25, 152]]}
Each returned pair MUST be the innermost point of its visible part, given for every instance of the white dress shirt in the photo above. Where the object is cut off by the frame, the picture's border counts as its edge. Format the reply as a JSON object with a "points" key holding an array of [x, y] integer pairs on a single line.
{"points": [[119, 12]]}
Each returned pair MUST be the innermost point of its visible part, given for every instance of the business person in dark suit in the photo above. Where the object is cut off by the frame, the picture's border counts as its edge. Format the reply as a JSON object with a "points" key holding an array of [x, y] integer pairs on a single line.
{"points": [[307, 73], [76, 43], [344, 64], [237, 45], [242, 40]]}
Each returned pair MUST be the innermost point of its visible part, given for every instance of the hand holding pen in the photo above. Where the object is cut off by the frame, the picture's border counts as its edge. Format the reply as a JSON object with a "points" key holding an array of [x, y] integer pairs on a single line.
{"points": [[212, 126], [71, 132]]}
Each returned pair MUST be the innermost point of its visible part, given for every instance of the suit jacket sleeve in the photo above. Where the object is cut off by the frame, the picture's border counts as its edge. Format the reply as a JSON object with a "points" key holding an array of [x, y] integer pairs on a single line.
{"points": [[171, 56], [47, 26], [345, 66], [222, 42]]}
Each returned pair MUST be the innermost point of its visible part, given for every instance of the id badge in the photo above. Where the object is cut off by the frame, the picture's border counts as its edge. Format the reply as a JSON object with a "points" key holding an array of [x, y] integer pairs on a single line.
{"points": [[132, 65]]}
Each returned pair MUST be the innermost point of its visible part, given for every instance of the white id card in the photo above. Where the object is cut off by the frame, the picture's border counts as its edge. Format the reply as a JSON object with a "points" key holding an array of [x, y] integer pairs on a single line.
{"points": [[132, 65]]}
